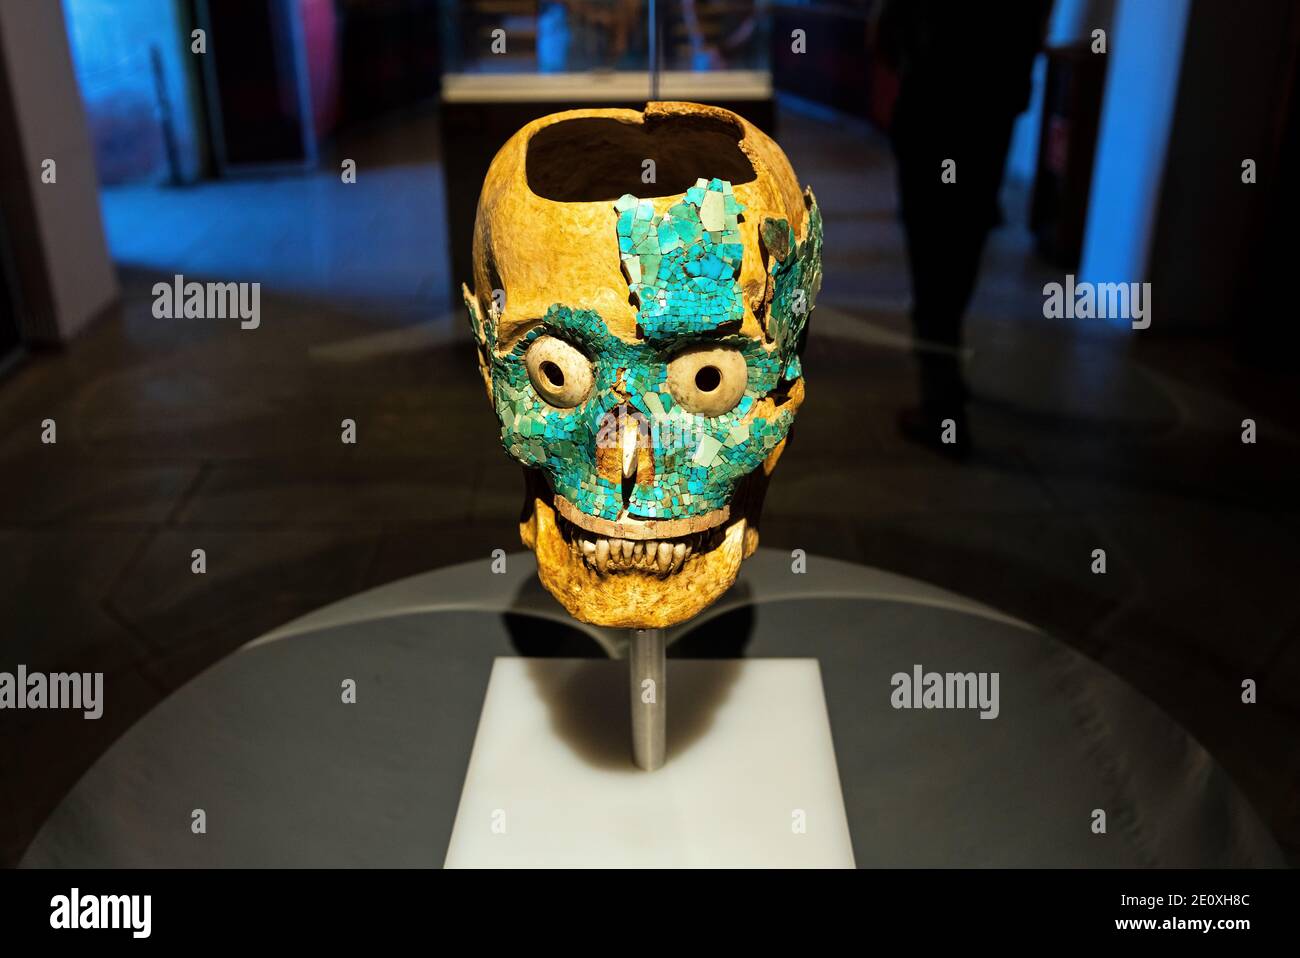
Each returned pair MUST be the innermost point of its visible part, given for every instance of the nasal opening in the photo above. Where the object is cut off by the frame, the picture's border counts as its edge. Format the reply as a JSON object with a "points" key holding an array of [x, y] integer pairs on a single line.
{"points": [[631, 445]]}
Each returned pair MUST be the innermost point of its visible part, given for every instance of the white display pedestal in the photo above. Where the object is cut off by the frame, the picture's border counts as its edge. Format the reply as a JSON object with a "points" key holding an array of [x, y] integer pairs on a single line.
{"points": [[750, 779]]}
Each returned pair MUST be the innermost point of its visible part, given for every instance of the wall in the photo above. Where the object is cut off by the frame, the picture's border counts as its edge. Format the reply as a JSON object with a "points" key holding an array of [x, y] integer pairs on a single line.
{"points": [[62, 260], [111, 42], [1145, 47], [1236, 80]]}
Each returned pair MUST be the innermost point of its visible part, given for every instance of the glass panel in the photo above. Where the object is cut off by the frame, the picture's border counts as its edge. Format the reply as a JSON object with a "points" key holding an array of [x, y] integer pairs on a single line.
{"points": [[577, 36]]}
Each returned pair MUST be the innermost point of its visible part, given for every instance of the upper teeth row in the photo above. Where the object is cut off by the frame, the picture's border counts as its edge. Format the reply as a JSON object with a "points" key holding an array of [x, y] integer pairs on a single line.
{"points": [[605, 555]]}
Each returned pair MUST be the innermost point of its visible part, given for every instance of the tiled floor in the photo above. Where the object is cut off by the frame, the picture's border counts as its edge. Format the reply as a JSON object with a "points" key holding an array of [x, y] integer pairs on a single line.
{"points": [[184, 434]]}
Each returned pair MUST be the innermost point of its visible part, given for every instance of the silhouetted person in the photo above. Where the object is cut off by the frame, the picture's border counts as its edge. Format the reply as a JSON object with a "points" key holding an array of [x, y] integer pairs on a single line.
{"points": [[965, 73]]}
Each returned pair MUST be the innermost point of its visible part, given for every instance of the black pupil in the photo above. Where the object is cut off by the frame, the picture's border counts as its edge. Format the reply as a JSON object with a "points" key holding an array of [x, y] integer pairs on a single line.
{"points": [[554, 375], [708, 379]]}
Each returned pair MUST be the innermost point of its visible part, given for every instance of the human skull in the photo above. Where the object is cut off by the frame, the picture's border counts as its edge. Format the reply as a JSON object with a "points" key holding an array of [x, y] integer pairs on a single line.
{"points": [[642, 287]]}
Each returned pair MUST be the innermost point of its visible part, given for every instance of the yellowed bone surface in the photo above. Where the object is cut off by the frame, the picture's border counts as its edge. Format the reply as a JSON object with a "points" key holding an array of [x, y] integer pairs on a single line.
{"points": [[545, 234]]}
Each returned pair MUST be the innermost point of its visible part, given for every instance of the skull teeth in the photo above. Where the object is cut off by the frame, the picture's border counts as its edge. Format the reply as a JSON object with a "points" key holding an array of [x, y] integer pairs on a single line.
{"points": [[660, 557]]}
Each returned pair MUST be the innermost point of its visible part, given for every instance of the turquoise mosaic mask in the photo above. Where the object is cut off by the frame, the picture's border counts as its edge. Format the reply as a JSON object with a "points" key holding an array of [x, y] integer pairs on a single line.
{"points": [[703, 402]]}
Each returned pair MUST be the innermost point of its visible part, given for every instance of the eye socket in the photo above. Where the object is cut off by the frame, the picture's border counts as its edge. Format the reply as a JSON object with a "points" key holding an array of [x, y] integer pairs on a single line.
{"points": [[560, 373], [708, 380]]}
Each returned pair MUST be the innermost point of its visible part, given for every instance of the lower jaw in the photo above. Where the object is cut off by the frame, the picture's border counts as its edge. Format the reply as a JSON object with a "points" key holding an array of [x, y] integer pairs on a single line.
{"points": [[632, 592]]}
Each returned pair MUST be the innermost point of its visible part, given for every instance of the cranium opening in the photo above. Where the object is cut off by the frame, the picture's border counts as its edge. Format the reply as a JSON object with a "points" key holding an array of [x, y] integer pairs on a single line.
{"points": [[593, 159]]}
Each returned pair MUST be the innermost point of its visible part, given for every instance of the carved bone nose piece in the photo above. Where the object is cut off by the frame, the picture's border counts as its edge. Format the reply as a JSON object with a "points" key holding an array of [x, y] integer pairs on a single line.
{"points": [[631, 433]]}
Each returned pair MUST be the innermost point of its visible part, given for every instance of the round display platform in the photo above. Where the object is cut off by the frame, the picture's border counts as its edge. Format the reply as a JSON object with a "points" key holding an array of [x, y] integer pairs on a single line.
{"points": [[287, 775]]}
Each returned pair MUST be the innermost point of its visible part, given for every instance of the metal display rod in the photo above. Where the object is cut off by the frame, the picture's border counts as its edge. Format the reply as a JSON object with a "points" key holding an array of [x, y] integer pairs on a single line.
{"points": [[654, 51], [647, 675]]}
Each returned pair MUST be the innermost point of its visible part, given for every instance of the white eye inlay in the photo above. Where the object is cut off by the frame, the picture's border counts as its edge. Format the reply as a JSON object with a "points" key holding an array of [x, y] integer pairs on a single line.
{"points": [[708, 380], [560, 373]]}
